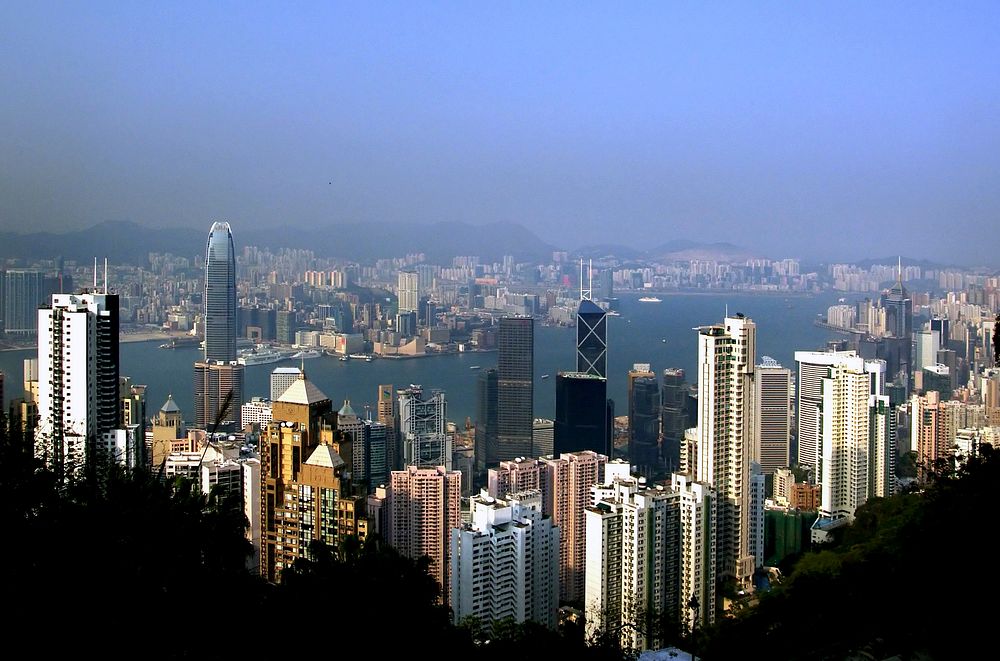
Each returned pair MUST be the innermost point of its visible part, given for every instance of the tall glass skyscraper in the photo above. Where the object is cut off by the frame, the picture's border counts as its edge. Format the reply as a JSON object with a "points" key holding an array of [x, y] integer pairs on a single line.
{"points": [[515, 387], [591, 339], [220, 294], [643, 420], [584, 414], [486, 420]]}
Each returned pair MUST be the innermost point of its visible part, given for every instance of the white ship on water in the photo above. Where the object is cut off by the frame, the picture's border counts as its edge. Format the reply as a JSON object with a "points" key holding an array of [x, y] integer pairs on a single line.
{"points": [[650, 299], [306, 354], [262, 354]]}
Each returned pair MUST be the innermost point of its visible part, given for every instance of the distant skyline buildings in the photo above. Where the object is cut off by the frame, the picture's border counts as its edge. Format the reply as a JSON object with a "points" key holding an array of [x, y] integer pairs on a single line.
{"points": [[21, 292]]}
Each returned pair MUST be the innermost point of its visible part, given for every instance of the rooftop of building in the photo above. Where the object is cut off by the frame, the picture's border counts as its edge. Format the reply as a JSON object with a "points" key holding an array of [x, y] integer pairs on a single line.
{"points": [[170, 406], [303, 391]]}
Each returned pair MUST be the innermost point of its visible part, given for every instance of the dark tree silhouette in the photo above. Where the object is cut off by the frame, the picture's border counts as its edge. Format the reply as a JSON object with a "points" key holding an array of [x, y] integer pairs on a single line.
{"points": [[996, 341]]}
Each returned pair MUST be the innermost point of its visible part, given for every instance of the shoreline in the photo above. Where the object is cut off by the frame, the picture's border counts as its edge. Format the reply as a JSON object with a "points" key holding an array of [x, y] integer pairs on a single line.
{"points": [[123, 338], [719, 292]]}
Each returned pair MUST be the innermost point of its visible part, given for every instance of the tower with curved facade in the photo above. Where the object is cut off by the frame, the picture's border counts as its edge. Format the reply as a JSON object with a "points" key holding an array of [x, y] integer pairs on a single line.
{"points": [[220, 294], [218, 378]]}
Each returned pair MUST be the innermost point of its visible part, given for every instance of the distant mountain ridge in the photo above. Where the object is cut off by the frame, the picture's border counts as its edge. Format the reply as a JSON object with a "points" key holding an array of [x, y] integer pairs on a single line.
{"points": [[675, 249], [125, 242]]}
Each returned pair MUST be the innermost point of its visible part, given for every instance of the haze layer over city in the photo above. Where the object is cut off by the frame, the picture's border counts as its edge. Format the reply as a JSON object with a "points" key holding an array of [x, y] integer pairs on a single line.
{"points": [[818, 132], [631, 333]]}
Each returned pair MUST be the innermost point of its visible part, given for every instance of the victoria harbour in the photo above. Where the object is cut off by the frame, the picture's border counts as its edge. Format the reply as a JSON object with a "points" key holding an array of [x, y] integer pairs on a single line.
{"points": [[661, 334]]}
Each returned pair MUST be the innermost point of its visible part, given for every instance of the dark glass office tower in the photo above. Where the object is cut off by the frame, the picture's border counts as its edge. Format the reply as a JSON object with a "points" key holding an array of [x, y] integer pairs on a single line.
{"points": [[899, 323], [644, 424], [584, 416], [486, 420], [515, 387], [673, 417], [591, 339], [220, 295]]}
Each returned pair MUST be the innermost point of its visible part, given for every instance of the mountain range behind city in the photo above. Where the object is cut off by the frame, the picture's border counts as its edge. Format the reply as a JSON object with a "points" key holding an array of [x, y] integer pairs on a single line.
{"points": [[125, 242]]}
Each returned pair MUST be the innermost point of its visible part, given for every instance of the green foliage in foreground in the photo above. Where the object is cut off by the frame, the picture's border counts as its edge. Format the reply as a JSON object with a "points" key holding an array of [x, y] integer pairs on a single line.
{"points": [[901, 581], [126, 565]]}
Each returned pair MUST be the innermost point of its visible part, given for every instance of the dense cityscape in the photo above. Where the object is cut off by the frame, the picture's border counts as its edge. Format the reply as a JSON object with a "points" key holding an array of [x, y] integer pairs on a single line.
{"points": [[489, 331], [680, 505]]}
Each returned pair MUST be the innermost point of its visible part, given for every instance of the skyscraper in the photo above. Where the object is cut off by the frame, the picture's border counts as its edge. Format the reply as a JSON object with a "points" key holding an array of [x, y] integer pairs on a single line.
{"points": [[22, 291], [218, 377], [386, 410], [854, 430], [505, 562], [78, 384], [899, 324], [306, 491], [627, 561], [424, 505], [643, 419], [724, 436], [281, 379], [773, 415], [220, 295], [591, 339], [584, 418], [168, 431], [515, 387], [486, 420], [566, 492], [673, 417], [408, 291], [218, 383], [423, 428]]}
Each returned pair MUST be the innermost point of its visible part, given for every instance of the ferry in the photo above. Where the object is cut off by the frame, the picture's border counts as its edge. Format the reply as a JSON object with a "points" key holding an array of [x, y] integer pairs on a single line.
{"points": [[650, 299], [545, 376], [261, 355], [473, 367], [306, 354], [612, 313], [178, 342]]}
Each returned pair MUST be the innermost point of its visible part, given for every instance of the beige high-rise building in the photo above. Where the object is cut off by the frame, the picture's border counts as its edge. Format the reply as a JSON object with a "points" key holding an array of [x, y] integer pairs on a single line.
{"points": [[425, 504], [386, 410], [725, 441], [928, 437], [306, 492], [408, 291], [847, 418], [169, 434], [566, 493]]}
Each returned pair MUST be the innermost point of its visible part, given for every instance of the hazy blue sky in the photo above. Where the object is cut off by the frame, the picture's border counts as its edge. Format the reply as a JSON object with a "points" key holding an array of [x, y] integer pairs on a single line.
{"points": [[832, 129]]}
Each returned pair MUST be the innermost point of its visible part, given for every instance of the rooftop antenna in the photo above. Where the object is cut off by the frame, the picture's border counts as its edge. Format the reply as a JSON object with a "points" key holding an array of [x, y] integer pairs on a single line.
{"points": [[95, 272], [585, 292], [727, 309], [899, 268], [105, 275]]}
